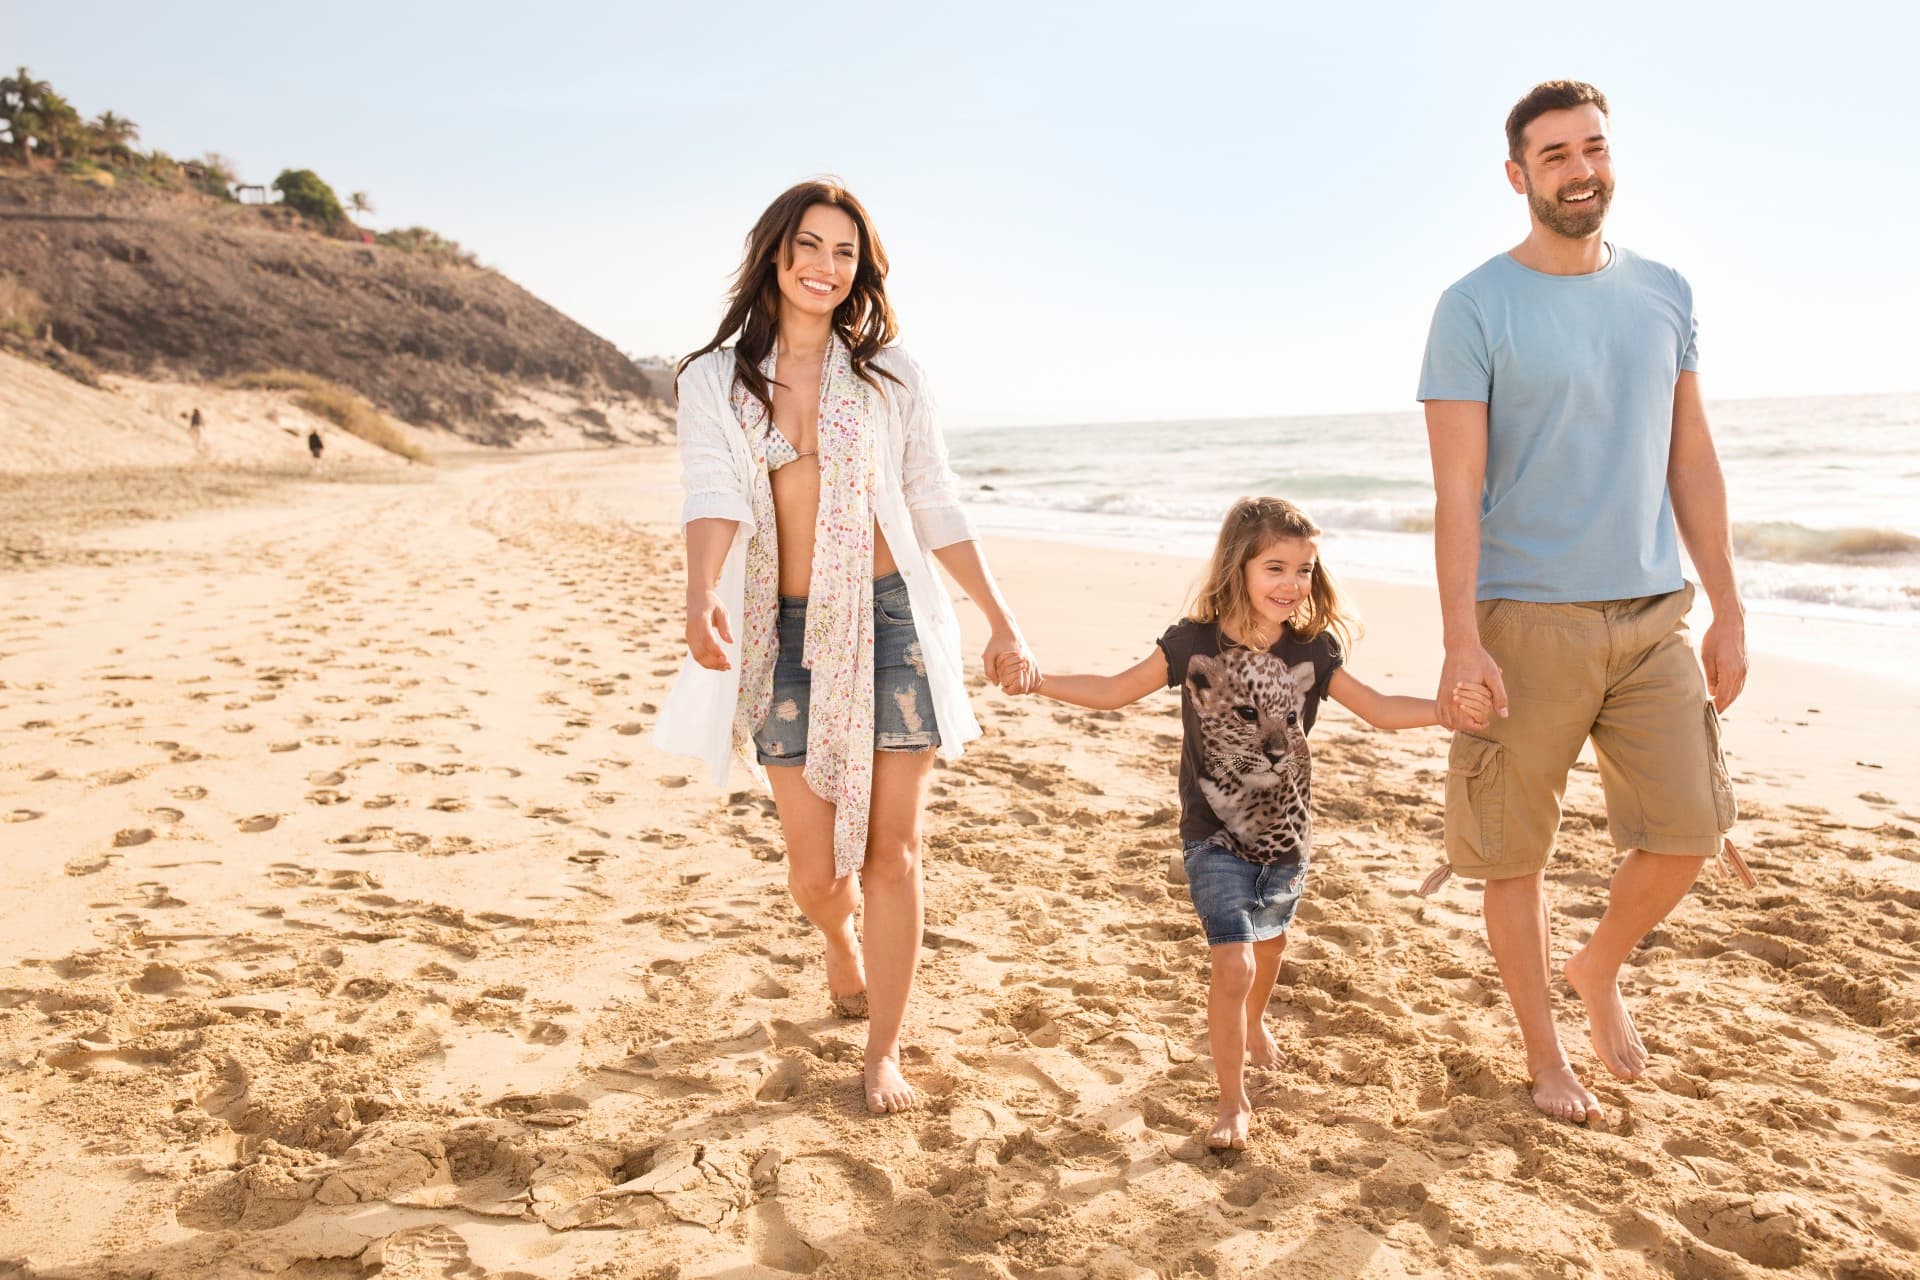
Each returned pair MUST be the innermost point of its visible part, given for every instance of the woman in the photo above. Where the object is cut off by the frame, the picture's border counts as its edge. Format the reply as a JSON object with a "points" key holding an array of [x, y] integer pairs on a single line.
{"points": [[816, 484]]}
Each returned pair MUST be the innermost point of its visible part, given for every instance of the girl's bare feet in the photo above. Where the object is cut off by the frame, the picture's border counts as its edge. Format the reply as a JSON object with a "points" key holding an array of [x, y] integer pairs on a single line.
{"points": [[1559, 1093], [888, 1090], [1261, 1049], [1229, 1132]]}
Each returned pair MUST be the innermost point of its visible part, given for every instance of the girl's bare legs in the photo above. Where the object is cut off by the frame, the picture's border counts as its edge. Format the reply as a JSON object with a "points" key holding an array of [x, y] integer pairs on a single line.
{"points": [[1266, 970], [895, 917], [823, 898], [1227, 994]]}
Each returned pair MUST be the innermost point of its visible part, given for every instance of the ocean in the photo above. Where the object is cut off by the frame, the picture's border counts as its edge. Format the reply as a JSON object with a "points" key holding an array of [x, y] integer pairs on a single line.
{"points": [[1824, 494]]}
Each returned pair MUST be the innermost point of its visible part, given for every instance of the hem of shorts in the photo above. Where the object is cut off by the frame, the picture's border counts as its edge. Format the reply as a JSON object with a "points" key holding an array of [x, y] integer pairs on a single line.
{"points": [[782, 762], [905, 749], [1248, 937], [1499, 871], [1673, 846]]}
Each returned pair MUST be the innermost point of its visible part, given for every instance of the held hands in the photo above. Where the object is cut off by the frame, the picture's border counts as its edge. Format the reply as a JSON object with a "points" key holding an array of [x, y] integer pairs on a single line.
{"points": [[1469, 668], [707, 629], [1010, 664], [1473, 704]]}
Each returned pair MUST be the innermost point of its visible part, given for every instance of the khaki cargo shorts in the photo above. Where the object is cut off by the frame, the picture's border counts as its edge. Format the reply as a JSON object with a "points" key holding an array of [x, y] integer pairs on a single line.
{"points": [[1620, 672]]}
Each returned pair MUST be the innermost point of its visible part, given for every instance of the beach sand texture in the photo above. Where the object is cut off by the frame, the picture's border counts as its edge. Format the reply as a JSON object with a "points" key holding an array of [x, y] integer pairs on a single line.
{"points": [[352, 927]]}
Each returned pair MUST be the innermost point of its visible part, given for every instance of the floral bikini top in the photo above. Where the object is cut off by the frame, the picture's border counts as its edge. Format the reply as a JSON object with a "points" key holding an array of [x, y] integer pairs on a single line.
{"points": [[780, 450]]}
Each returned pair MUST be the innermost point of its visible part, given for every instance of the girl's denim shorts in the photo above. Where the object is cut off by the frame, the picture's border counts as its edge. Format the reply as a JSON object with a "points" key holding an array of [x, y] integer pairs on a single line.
{"points": [[1241, 901], [902, 698]]}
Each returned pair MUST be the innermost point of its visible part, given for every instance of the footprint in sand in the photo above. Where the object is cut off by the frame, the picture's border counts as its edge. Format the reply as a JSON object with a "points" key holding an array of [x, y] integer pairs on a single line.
{"points": [[259, 822], [23, 815], [284, 746], [128, 837], [188, 793], [380, 802], [327, 795], [91, 866], [167, 815]]}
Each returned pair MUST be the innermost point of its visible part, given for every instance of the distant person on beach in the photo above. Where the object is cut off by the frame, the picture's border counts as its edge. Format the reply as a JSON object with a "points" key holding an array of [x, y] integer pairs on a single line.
{"points": [[196, 431], [1569, 439], [317, 448], [1265, 641], [824, 648]]}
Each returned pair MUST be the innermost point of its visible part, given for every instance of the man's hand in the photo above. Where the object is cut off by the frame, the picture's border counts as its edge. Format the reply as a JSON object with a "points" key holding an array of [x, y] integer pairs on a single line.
{"points": [[1465, 668], [1723, 653], [707, 628]]}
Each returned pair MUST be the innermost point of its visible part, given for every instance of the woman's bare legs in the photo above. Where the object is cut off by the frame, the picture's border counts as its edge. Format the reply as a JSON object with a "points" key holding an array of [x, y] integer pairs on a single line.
{"points": [[895, 917], [825, 899]]}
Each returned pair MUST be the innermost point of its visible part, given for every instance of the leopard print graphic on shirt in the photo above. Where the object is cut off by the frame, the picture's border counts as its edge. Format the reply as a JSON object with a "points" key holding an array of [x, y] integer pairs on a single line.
{"points": [[1258, 772]]}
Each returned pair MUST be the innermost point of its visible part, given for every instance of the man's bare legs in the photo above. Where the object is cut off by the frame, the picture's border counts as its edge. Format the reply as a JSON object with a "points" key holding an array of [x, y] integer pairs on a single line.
{"points": [[1261, 1049], [825, 899], [895, 917], [1516, 915], [1645, 889]]}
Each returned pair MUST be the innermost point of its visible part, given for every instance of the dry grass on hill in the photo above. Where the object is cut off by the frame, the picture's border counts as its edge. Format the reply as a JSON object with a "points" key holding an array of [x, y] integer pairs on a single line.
{"points": [[336, 404]]}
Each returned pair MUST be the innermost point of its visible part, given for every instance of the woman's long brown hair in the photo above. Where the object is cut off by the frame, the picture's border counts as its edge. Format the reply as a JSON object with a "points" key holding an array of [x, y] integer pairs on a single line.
{"points": [[865, 321], [1252, 525]]}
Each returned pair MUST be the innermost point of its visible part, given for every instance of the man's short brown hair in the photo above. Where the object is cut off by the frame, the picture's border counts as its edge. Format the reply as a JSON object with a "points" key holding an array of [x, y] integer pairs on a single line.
{"points": [[1550, 95]]}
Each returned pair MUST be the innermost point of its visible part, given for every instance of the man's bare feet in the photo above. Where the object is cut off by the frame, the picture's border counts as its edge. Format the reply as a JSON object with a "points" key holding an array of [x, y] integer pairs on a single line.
{"points": [[846, 975], [1261, 1049], [1229, 1132], [1559, 1093], [888, 1090], [1614, 1036]]}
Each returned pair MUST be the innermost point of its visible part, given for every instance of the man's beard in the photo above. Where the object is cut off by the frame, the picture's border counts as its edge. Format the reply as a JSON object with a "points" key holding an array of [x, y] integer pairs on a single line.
{"points": [[1575, 222]]}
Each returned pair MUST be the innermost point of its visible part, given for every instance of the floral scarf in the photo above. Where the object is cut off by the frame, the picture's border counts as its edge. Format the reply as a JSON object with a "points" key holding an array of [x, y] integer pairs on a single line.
{"points": [[839, 635]]}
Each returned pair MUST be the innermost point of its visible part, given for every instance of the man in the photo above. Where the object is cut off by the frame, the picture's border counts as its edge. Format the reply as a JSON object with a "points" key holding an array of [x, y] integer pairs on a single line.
{"points": [[1569, 437]]}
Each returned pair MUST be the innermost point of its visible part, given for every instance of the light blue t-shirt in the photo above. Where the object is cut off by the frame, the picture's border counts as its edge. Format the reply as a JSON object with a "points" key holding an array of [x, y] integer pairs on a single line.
{"points": [[1577, 373]]}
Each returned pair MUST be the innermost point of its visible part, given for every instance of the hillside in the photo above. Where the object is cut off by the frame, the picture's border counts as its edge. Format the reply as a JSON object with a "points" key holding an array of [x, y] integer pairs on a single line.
{"points": [[175, 285]]}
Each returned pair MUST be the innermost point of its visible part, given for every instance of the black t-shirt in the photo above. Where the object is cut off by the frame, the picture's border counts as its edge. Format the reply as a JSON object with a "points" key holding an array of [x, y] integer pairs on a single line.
{"points": [[1244, 766]]}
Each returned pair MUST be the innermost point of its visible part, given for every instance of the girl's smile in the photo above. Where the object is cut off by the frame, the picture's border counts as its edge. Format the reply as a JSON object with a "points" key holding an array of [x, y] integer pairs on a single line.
{"points": [[1278, 578]]}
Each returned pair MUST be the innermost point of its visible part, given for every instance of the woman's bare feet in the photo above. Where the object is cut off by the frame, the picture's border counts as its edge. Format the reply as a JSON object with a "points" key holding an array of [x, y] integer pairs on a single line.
{"points": [[846, 974], [1559, 1093], [1261, 1049], [888, 1090], [1614, 1036], [1229, 1132]]}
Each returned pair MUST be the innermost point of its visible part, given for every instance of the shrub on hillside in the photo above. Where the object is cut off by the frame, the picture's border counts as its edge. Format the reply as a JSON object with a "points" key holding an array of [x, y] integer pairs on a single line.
{"points": [[22, 311], [303, 191], [336, 404], [431, 245]]}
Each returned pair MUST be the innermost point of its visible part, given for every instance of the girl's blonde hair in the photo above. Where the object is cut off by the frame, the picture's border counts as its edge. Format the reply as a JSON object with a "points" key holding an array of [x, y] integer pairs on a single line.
{"points": [[1251, 526]]}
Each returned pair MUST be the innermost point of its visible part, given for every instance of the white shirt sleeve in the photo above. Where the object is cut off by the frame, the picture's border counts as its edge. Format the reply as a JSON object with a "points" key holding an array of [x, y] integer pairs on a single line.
{"points": [[709, 475], [932, 489]]}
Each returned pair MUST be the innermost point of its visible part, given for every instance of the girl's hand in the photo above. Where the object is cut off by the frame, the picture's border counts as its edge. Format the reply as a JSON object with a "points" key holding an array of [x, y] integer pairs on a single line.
{"points": [[1473, 704], [707, 628]]}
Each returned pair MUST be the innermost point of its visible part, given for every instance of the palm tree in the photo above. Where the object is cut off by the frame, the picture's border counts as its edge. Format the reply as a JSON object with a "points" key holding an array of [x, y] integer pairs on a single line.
{"points": [[61, 128], [115, 132], [360, 202], [21, 100]]}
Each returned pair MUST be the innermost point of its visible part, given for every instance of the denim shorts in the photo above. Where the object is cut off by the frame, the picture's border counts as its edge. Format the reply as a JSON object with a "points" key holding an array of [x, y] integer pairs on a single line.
{"points": [[1241, 901], [902, 698]]}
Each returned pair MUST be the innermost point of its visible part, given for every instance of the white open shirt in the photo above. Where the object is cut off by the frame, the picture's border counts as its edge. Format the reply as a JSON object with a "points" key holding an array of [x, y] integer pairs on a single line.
{"points": [[916, 501]]}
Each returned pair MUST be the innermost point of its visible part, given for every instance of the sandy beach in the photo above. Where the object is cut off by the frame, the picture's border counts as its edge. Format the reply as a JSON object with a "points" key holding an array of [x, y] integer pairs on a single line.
{"points": [[351, 926]]}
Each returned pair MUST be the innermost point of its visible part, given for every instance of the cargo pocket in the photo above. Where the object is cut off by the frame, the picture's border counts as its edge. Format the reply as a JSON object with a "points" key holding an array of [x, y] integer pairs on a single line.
{"points": [[1725, 811], [1476, 797]]}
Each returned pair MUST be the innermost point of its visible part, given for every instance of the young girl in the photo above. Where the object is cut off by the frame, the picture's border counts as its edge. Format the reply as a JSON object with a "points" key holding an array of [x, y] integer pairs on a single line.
{"points": [[1264, 642]]}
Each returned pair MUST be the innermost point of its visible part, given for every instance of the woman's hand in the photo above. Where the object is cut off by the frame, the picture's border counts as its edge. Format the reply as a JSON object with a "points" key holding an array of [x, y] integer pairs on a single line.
{"points": [[707, 628], [1010, 664]]}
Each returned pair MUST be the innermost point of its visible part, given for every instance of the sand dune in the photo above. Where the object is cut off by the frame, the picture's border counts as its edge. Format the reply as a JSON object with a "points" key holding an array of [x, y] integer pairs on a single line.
{"points": [[352, 928]]}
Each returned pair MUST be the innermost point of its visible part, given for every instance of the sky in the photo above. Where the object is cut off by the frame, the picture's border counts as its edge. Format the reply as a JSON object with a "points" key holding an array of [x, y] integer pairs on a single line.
{"points": [[1094, 212]]}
